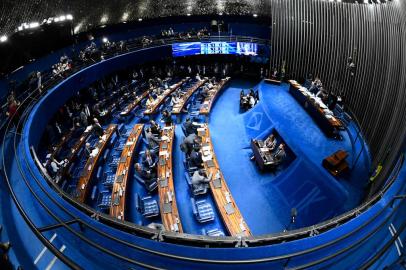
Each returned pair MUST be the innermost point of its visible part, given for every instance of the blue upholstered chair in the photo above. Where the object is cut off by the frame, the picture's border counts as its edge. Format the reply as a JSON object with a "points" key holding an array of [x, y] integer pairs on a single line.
{"points": [[147, 206], [202, 210], [104, 200], [151, 187], [202, 189], [215, 232]]}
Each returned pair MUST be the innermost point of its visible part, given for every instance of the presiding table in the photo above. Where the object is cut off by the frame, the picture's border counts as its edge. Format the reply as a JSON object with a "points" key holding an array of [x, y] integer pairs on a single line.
{"points": [[320, 113]]}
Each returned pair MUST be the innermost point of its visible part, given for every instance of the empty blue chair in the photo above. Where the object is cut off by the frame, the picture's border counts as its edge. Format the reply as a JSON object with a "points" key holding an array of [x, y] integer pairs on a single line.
{"points": [[104, 201], [147, 206], [213, 232], [113, 139], [202, 210], [114, 161], [99, 173], [108, 179]]}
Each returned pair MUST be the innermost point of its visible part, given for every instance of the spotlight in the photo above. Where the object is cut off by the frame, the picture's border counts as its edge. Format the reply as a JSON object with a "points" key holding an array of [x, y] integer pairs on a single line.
{"points": [[69, 17], [62, 18], [140, 19], [33, 25], [188, 14], [3, 38], [105, 40], [255, 15]]}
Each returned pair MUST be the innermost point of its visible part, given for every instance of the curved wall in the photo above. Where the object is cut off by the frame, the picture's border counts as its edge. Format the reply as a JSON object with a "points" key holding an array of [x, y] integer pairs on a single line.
{"points": [[317, 37]]}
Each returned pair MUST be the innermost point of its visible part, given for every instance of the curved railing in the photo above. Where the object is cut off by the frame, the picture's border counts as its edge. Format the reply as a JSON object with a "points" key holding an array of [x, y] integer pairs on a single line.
{"points": [[169, 237]]}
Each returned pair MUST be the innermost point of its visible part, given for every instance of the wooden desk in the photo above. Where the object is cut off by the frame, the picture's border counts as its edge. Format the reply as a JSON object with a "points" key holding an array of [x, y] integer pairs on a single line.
{"points": [[134, 104], [177, 109], [233, 220], [166, 190], [213, 93], [89, 169], [152, 109], [329, 124], [117, 208]]}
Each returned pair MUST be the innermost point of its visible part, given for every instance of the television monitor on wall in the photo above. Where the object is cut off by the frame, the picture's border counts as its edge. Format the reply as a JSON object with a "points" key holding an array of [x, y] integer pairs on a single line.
{"points": [[215, 47]]}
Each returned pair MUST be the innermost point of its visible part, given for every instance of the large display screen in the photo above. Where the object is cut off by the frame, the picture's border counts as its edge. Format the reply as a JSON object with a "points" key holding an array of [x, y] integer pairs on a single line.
{"points": [[197, 48]]}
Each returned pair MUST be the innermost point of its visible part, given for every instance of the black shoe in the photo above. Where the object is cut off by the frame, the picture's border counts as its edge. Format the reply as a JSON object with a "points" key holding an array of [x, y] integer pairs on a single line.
{"points": [[5, 246]]}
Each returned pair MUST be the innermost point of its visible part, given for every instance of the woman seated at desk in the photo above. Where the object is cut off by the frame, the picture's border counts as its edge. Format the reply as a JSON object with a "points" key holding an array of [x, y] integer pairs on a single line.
{"points": [[270, 142], [150, 101]]}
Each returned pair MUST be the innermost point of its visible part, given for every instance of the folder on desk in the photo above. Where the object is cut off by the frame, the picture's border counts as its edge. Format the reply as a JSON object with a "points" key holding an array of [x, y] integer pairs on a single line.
{"points": [[162, 161], [163, 182], [123, 160], [217, 183], [210, 164], [167, 208], [164, 145], [116, 200], [120, 178], [229, 208]]}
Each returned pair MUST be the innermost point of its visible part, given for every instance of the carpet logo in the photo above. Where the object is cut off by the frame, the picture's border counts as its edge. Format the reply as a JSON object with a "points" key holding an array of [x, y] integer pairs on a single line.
{"points": [[255, 121]]}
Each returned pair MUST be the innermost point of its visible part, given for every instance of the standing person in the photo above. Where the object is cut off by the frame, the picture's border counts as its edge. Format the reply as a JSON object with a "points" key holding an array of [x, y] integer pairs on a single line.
{"points": [[12, 111]]}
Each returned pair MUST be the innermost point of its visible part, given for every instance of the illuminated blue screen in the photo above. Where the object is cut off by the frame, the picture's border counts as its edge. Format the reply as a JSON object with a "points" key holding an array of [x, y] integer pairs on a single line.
{"points": [[197, 48]]}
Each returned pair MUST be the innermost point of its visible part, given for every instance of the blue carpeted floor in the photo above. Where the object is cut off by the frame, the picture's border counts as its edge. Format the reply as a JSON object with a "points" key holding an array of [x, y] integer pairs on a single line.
{"points": [[265, 200]]}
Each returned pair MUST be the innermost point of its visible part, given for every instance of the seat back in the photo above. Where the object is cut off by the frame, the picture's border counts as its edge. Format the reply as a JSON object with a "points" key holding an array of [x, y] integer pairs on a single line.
{"points": [[139, 204]]}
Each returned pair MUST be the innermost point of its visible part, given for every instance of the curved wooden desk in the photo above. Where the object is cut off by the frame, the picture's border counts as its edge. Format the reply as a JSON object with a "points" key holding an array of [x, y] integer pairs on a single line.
{"points": [[226, 205], [130, 107], [166, 190], [152, 109], [89, 169], [213, 94], [118, 195], [177, 109]]}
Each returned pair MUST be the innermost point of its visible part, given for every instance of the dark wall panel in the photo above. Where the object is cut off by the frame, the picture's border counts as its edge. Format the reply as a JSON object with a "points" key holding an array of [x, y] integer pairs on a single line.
{"points": [[314, 36]]}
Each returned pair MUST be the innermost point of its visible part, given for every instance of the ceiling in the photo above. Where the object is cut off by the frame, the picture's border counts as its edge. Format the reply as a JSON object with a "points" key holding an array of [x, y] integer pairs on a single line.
{"points": [[89, 13]]}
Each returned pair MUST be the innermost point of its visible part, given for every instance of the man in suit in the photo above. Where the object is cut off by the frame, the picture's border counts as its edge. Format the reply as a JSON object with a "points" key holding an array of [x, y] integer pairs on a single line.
{"points": [[149, 160], [167, 117], [153, 141], [200, 180], [188, 143], [155, 128], [147, 175], [196, 157], [189, 127], [97, 128], [280, 154]]}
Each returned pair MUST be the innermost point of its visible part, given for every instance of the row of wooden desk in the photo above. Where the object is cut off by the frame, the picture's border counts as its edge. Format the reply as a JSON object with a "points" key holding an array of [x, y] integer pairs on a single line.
{"points": [[119, 191], [225, 203], [177, 109], [159, 100], [131, 106], [317, 110], [213, 93], [82, 188], [166, 190]]}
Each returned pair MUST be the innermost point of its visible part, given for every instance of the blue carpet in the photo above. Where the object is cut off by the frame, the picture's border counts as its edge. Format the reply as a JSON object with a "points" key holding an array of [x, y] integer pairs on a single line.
{"points": [[304, 184]]}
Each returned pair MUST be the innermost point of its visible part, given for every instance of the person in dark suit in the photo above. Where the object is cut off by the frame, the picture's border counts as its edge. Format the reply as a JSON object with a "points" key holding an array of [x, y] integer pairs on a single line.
{"points": [[149, 160], [151, 139], [167, 117], [196, 157], [97, 128], [155, 128], [189, 143], [189, 127], [147, 175], [280, 154]]}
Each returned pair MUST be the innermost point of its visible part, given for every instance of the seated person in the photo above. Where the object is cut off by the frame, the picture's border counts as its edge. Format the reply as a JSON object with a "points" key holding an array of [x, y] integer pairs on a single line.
{"points": [[155, 128], [280, 154], [97, 128], [189, 143], [147, 175], [316, 85], [270, 142], [198, 77], [200, 179], [174, 100], [275, 74], [153, 141], [196, 157], [88, 149], [149, 160], [244, 101], [189, 127], [166, 117]]}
